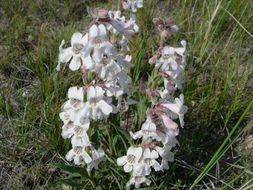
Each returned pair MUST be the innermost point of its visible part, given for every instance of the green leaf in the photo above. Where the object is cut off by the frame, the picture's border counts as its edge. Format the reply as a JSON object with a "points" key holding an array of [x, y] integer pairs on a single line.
{"points": [[72, 169]]}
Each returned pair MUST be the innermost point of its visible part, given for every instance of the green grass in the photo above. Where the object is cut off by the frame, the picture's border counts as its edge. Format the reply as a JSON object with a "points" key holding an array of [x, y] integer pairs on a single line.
{"points": [[218, 89]]}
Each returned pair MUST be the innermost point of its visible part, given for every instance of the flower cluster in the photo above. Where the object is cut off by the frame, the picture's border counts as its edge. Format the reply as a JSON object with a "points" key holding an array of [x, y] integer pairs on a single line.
{"points": [[101, 51], [158, 133], [94, 52]]}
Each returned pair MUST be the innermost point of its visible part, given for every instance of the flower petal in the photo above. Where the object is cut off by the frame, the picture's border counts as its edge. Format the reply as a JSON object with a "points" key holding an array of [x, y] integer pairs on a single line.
{"points": [[75, 63], [70, 155], [91, 93], [88, 62], [102, 31], [93, 32], [105, 107], [76, 38], [128, 168], [122, 161]]}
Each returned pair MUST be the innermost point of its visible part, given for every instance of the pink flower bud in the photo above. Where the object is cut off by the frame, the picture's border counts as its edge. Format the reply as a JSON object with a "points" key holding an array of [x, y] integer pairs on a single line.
{"points": [[102, 13], [124, 5], [152, 60], [151, 92], [169, 20], [164, 34], [156, 20]]}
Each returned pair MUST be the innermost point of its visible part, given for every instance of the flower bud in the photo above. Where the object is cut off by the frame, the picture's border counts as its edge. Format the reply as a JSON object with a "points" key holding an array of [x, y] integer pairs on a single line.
{"points": [[174, 28], [152, 60], [169, 20], [156, 20], [102, 13], [164, 33]]}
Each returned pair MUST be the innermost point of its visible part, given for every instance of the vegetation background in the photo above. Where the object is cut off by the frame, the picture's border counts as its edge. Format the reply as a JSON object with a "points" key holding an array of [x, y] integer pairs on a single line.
{"points": [[216, 145]]}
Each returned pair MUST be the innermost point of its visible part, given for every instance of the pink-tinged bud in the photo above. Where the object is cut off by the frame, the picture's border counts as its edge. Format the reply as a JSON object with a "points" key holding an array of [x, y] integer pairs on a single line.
{"points": [[124, 5], [169, 123], [152, 60], [102, 13], [164, 34], [169, 20], [174, 28], [151, 92], [156, 20]]}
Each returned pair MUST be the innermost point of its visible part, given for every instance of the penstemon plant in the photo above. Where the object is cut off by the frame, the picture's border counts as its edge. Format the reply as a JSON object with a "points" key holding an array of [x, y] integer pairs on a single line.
{"points": [[95, 52], [158, 133], [102, 51]]}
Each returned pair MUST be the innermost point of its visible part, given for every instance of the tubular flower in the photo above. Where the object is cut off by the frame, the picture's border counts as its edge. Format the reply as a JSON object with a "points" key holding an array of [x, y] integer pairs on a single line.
{"points": [[96, 107], [73, 53]]}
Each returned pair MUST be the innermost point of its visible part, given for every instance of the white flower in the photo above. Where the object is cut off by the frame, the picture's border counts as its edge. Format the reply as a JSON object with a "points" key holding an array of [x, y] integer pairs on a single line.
{"points": [[79, 155], [127, 28], [82, 141], [130, 161], [107, 67], [166, 154], [78, 130], [168, 135], [148, 130], [122, 79], [113, 89], [149, 160], [96, 107], [168, 88], [78, 42], [137, 181], [75, 101], [98, 44], [97, 157], [168, 61], [117, 16], [124, 44], [132, 5], [178, 108], [65, 117]]}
